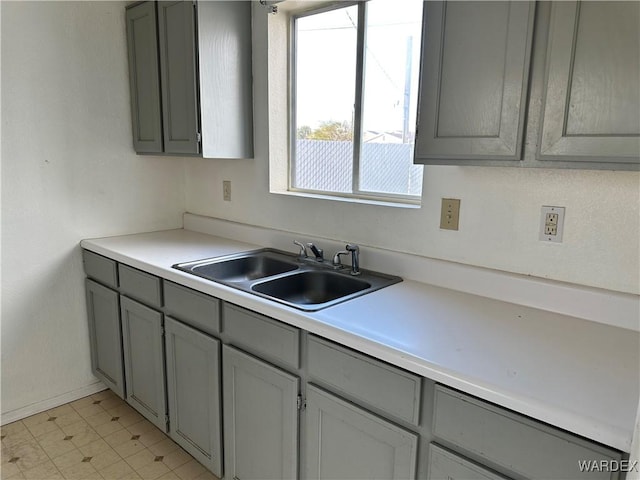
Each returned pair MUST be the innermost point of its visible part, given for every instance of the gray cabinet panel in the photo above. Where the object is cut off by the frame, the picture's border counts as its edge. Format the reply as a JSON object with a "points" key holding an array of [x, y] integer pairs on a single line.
{"points": [[103, 312], [144, 77], [513, 442], [445, 465], [592, 98], [100, 268], [344, 442], [268, 338], [372, 382], [144, 360], [195, 308], [140, 285], [260, 418], [193, 390], [475, 70], [226, 88], [176, 28]]}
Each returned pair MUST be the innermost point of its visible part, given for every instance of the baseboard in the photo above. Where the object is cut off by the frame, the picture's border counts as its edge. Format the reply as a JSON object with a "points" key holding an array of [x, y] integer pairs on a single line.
{"points": [[44, 405]]}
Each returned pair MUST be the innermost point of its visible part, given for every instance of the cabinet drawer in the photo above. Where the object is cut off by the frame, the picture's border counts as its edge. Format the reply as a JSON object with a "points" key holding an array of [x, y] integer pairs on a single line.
{"points": [[195, 308], [445, 465], [365, 380], [140, 285], [511, 441], [100, 268], [263, 336]]}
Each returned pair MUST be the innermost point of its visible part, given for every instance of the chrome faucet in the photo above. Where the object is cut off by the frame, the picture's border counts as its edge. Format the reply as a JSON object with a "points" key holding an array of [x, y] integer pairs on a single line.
{"points": [[355, 258], [303, 250], [354, 250], [318, 252]]}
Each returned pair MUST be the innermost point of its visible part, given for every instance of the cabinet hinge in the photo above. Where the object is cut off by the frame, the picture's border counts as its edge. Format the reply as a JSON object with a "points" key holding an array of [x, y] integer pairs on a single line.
{"points": [[198, 137], [166, 420], [301, 404]]}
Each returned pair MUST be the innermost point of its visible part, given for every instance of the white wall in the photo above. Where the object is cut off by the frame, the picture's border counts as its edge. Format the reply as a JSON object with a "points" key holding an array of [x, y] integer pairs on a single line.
{"points": [[68, 172], [500, 209]]}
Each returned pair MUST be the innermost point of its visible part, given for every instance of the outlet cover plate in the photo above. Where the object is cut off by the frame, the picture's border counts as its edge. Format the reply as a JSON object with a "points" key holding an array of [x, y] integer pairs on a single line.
{"points": [[450, 213], [551, 224]]}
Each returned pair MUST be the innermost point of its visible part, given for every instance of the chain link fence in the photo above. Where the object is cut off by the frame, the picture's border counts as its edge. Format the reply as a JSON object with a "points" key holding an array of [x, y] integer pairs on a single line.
{"points": [[384, 167]]}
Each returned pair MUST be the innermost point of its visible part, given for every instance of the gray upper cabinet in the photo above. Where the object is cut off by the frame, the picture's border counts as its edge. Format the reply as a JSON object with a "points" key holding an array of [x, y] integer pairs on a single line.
{"points": [[103, 312], [191, 78], [474, 74], [343, 441], [592, 97], [178, 70], [144, 81], [193, 390], [144, 360], [226, 87], [260, 419]]}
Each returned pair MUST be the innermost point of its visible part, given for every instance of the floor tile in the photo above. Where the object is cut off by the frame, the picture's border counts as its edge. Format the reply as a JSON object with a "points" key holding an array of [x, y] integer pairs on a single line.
{"points": [[163, 447], [190, 470], [153, 470], [176, 458], [118, 471], [46, 470], [56, 443], [96, 437]]}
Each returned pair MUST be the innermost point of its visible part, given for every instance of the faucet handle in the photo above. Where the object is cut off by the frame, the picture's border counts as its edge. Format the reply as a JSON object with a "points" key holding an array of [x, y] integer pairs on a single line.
{"points": [[303, 249], [318, 252]]}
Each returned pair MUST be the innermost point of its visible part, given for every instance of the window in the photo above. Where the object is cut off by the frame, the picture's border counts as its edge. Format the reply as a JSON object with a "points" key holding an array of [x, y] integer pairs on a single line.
{"points": [[355, 69]]}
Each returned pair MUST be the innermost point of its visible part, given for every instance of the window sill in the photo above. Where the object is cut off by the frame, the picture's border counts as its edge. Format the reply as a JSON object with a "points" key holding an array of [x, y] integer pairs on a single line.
{"points": [[348, 199]]}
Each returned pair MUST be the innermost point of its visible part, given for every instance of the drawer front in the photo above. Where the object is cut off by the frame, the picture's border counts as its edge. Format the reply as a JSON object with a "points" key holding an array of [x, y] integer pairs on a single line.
{"points": [[100, 268], [267, 338], [140, 285], [195, 308], [446, 465], [365, 380], [512, 441]]}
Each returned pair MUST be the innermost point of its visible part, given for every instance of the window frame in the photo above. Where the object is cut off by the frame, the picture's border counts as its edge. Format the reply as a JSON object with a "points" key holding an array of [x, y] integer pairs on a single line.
{"points": [[360, 66]]}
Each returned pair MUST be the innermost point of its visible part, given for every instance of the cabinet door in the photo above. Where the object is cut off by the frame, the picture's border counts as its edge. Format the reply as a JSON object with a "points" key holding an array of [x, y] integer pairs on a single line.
{"points": [[144, 360], [193, 390], [103, 313], [344, 442], [445, 465], [260, 418], [475, 70], [176, 28], [592, 98], [144, 77]]}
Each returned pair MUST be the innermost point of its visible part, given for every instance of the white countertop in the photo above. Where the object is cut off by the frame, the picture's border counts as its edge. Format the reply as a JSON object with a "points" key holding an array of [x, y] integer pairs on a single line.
{"points": [[578, 375]]}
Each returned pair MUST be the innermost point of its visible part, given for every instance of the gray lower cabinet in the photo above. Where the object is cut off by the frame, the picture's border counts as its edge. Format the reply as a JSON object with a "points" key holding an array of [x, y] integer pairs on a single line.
{"points": [[446, 465], [144, 360], [103, 311], [343, 441], [260, 418], [193, 390]]}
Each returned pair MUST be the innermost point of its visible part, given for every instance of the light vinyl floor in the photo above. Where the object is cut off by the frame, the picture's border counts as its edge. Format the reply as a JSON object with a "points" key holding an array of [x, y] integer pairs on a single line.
{"points": [[96, 437]]}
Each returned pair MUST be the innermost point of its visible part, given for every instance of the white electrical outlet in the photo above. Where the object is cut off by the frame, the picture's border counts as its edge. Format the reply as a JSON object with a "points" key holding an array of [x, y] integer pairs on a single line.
{"points": [[551, 224]]}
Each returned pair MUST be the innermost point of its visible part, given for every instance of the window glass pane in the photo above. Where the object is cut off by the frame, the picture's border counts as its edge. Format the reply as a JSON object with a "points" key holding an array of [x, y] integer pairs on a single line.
{"points": [[325, 64], [390, 85]]}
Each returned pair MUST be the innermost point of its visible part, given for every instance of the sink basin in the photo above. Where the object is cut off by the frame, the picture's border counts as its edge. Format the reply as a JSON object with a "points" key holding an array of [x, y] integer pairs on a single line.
{"points": [[244, 268], [311, 287], [286, 278]]}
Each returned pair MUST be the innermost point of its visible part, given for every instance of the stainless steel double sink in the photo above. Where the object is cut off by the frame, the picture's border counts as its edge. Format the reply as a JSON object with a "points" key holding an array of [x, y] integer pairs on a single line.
{"points": [[302, 283]]}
